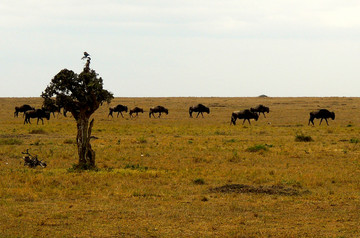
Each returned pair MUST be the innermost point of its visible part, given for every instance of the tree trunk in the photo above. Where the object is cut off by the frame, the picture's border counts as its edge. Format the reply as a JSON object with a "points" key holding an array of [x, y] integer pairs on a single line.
{"points": [[86, 154]]}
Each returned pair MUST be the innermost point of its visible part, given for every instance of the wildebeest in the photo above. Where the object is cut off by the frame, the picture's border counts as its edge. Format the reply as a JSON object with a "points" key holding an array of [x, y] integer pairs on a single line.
{"points": [[38, 113], [245, 114], [321, 114], [51, 108], [158, 109], [260, 109], [200, 108], [136, 110], [24, 108], [119, 109]]}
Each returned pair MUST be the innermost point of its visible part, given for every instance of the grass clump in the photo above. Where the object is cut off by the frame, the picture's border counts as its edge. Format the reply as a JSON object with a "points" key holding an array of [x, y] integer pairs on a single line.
{"points": [[199, 181], [37, 131], [354, 140], [303, 138], [136, 167], [257, 148]]}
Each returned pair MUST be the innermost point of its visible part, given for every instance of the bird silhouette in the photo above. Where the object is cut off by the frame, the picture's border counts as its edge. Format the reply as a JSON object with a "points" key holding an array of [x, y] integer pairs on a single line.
{"points": [[86, 55]]}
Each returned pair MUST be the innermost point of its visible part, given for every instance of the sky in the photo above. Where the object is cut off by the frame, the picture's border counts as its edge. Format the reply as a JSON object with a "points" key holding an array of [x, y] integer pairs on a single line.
{"points": [[184, 48]]}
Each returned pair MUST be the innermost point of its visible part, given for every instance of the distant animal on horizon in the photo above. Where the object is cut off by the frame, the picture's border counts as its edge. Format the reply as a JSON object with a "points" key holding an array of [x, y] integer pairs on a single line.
{"points": [[200, 108], [245, 114], [119, 109], [38, 113], [24, 108], [260, 109], [158, 109], [136, 110], [321, 114]]}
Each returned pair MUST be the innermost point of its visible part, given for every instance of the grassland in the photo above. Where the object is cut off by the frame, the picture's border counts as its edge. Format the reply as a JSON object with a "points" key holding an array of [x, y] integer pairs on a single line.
{"points": [[179, 177]]}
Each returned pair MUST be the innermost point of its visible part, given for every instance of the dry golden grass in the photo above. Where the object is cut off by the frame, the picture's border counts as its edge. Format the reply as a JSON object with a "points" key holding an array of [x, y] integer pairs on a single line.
{"points": [[159, 177]]}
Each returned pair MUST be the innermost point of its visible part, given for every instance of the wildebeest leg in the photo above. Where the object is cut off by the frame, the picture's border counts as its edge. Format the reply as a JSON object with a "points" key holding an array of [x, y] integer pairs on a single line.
{"points": [[202, 114], [326, 121], [321, 120], [244, 121], [122, 115], [118, 114], [159, 114], [264, 114]]}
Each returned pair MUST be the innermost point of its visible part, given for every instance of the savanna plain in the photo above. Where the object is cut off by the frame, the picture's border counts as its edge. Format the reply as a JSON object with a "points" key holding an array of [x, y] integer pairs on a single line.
{"points": [[177, 176]]}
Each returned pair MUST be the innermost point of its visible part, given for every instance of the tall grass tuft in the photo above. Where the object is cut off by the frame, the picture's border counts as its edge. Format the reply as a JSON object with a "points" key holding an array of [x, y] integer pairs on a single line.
{"points": [[303, 138]]}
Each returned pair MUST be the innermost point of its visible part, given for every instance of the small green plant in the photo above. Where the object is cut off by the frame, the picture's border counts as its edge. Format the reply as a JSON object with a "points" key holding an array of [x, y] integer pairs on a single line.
{"points": [[257, 148], [141, 140], [354, 140], [303, 138], [199, 181]]}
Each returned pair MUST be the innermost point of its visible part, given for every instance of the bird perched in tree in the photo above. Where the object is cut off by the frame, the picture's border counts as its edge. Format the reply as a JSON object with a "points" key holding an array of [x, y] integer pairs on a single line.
{"points": [[86, 55]]}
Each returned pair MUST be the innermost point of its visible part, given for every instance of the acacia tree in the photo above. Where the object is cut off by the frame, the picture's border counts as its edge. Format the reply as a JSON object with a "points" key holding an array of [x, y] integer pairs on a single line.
{"points": [[81, 95]]}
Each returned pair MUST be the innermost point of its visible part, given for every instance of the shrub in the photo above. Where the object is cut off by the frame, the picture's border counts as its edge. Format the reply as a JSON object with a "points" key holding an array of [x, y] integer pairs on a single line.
{"points": [[257, 148], [303, 138]]}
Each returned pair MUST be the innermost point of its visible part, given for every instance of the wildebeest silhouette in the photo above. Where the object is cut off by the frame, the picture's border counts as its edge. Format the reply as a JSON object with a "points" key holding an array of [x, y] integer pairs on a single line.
{"points": [[136, 110], [38, 113], [24, 108], [245, 114], [158, 109], [260, 109], [321, 114], [119, 109], [200, 108], [52, 108]]}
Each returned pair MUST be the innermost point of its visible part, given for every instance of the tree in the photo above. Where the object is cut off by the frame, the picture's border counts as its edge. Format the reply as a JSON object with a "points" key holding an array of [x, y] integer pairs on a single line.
{"points": [[81, 95]]}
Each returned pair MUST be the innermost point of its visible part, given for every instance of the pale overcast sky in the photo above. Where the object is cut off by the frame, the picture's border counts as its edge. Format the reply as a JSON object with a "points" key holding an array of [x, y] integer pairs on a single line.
{"points": [[161, 48]]}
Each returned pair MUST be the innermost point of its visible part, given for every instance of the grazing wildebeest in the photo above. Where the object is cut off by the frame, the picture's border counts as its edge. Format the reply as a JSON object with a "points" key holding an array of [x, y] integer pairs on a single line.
{"points": [[245, 114], [24, 108], [260, 109], [158, 109], [321, 114], [119, 109], [200, 108], [38, 113], [136, 110], [52, 108]]}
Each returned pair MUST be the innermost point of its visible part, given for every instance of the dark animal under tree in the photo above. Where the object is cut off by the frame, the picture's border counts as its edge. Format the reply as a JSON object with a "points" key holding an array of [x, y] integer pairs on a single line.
{"points": [[158, 109], [38, 113], [200, 109], [119, 109], [321, 114], [24, 108], [260, 109], [136, 110], [245, 114]]}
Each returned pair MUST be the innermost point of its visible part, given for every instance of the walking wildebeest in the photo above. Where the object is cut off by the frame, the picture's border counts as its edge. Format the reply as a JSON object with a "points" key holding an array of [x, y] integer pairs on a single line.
{"points": [[321, 114], [260, 109], [158, 109], [136, 110], [119, 109], [24, 108], [200, 108], [245, 114], [38, 113]]}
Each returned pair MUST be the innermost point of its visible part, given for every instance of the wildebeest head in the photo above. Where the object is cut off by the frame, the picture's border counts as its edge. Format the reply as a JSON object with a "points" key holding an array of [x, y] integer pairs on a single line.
{"points": [[256, 116], [166, 111], [126, 108], [47, 115], [333, 115]]}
